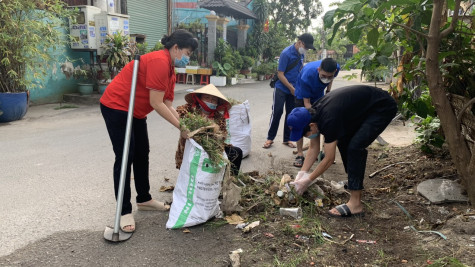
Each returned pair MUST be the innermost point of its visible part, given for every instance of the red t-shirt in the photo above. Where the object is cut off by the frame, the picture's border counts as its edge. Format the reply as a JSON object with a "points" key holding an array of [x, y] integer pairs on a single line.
{"points": [[155, 73]]}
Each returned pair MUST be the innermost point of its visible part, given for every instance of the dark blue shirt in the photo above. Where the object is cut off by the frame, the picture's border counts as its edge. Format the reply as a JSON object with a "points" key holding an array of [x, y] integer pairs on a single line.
{"points": [[309, 84], [287, 57]]}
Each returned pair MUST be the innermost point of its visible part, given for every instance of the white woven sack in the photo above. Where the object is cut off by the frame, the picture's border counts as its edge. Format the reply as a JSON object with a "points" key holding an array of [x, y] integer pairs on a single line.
{"points": [[195, 198], [240, 127]]}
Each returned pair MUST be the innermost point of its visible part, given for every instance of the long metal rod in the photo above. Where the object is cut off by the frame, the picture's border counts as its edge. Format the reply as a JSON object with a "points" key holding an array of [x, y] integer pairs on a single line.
{"points": [[125, 154]]}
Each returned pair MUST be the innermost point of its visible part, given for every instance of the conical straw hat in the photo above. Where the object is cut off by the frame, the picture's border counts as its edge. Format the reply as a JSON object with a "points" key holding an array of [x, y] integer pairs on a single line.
{"points": [[209, 89]]}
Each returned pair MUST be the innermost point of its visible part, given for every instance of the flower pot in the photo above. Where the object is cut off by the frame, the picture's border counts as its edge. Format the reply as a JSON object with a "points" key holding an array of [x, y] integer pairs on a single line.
{"points": [[85, 88], [13, 106], [233, 80], [261, 77], [218, 80], [102, 88], [245, 71]]}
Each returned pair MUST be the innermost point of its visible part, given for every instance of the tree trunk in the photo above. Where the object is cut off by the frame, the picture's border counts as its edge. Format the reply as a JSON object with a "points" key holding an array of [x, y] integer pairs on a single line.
{"points": [[458, 147]]}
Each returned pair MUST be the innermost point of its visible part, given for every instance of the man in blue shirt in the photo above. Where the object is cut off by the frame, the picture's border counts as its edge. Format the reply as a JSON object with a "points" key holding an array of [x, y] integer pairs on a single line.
{"points": [[311, 83], [290, 64]]}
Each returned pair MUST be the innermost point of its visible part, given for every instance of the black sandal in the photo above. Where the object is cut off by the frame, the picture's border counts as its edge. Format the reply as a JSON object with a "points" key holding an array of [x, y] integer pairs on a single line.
{"points": [[299, 161]]}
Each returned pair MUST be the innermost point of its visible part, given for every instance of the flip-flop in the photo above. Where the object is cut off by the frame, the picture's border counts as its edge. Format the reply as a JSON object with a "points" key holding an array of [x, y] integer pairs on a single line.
{"points": [[153, 205], [289, 144], [127, 220], [345, 212], [267, 144], [299, 161]]}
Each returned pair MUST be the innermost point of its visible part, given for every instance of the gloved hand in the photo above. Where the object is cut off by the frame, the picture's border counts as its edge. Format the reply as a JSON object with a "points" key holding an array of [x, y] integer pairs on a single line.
{"points": [[302, 184], [300, 174]]}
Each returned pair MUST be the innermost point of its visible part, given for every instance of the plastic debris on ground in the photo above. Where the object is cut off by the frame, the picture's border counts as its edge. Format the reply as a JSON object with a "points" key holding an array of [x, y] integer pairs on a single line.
{"points": [[250, 226], [235, 257], [269, 235], [302, 238], [326, 235], [296, 213], [338, 187], [241, 225]]}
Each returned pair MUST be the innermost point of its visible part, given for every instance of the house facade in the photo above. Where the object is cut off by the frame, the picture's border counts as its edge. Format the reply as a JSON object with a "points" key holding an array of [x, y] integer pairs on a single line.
{"points": [[149, 20]]}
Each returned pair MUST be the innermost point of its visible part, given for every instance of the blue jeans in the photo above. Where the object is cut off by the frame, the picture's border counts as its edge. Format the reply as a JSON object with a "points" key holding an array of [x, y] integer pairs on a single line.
{"points": [[280, 99]]}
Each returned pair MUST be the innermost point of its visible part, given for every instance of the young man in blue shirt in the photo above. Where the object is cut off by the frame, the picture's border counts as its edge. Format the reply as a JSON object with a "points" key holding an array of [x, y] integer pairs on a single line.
{"points": [[290, 64], [311, 83]]}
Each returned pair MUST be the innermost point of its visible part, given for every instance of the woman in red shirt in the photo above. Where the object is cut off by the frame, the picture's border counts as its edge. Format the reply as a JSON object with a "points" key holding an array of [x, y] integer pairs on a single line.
{"points": [[154, 91]]}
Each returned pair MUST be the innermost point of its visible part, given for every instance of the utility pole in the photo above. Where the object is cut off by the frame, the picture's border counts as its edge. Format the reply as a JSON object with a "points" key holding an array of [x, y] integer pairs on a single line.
{"points": [[324, 40]]}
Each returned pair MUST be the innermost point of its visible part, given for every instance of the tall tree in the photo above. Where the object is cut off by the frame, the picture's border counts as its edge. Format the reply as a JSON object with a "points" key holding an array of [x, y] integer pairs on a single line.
{"points": [[295, 15], [385, 22]]}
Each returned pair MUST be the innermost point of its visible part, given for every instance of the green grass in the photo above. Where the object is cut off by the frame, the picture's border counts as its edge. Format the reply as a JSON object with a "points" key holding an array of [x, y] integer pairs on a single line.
{"points": [[294, 261], [447, 261], [216, 223]]}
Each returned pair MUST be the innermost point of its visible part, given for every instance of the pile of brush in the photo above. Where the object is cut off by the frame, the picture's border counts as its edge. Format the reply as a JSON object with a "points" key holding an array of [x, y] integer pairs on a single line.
{"points": [[207, 134], [233, 101]]}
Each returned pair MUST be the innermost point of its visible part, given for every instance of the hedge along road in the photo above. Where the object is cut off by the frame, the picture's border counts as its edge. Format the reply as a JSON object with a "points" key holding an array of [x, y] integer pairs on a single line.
{"points": [[56, 181]]}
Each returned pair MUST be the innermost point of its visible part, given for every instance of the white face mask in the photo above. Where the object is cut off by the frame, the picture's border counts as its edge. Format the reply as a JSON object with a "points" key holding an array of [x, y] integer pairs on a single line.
{"points": [[211, 105], [302, 51], [325, 80]]}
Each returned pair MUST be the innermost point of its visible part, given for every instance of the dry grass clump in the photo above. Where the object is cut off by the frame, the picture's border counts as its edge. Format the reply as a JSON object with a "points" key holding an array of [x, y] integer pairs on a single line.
{"points": [[207, 135], [233, 101]]}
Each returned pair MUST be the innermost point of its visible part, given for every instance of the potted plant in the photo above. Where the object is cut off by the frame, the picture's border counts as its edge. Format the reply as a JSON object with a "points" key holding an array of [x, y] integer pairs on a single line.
{"points": [[247, 64], [218, 80], [261, 71], [117, 52], [26, 50], [103, 80], [271, 69], [86, 77]]}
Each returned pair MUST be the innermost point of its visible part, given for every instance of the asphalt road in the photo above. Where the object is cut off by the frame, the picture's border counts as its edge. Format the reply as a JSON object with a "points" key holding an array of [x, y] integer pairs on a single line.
{"points": [[56, 177]]}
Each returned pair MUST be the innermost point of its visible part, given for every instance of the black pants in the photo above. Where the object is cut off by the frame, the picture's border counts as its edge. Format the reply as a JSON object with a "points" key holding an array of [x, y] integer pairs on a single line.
{"points": [[235, 157], [116, 121], [353, 149]]}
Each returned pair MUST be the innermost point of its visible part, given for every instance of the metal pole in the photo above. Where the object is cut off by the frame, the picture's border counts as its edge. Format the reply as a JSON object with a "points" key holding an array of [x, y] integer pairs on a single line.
{"points": [[125, 154]]}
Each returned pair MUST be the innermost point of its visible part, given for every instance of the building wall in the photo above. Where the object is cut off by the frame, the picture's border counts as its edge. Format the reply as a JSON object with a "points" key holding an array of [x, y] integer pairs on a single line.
{"points": [[148, 17], [52, 87], [187, 11]]}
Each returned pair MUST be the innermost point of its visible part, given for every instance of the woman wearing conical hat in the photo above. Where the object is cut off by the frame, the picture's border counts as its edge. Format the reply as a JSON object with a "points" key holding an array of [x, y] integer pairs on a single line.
{"points": [[209, 102]]}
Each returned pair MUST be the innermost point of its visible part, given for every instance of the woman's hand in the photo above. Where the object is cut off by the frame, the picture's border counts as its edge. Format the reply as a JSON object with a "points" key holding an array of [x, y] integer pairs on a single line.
{"points": [[184, 133]]}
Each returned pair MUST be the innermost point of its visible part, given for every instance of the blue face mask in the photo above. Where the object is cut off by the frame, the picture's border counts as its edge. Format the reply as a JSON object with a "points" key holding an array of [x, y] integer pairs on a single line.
{"points": [[211, 105], [312, 136], [180, 63]]}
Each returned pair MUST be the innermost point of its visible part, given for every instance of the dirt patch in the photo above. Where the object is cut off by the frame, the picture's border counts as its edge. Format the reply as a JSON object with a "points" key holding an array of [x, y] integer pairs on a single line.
{"points": [[284, 241], [386, 236]]}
